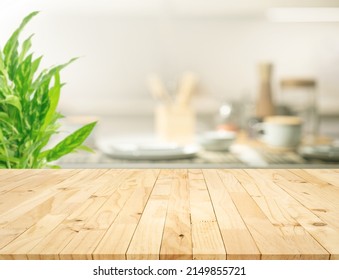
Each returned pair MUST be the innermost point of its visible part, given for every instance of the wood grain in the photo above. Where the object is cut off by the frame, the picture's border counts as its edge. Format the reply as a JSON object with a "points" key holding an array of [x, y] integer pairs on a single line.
{"points": [[206, 236], [284, 213], [83, 208], [238, 240], [331, 176], [319, 211], [177, 236], [169, 214], [146, 241], [53, 214], [117, 237]]}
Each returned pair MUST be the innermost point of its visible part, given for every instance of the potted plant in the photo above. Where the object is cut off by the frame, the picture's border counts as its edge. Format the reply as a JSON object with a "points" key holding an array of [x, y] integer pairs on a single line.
{"points": [[28, 108]]}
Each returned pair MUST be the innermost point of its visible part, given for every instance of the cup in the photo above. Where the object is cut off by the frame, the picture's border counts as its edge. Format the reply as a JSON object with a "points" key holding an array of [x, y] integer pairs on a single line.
{"points": [[281, 131]]}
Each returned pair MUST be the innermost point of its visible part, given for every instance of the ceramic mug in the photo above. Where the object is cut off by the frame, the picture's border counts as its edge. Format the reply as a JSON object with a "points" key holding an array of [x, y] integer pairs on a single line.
{"points": [[281, 131]]}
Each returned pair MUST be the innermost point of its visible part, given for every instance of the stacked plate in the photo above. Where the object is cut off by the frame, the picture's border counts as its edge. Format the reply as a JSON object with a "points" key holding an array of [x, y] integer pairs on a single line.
{"points": [[321, 152], [147, 151]]}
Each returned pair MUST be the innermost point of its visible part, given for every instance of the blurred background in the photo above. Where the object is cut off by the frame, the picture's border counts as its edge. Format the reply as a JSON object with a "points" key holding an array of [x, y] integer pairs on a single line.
{"points": [[193, 74]]}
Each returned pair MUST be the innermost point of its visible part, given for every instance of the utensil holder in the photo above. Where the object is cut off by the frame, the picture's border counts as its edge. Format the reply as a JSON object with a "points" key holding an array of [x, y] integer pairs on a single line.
{"points": [[175, 123]]}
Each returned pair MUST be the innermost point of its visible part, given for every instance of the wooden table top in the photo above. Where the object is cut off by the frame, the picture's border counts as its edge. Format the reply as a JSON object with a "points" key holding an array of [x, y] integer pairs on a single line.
{"points": [[169, 214]]}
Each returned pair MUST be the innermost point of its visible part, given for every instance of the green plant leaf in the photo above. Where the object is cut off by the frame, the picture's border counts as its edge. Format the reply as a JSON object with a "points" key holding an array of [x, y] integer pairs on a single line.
{"points": [[86, 149], [7, 120], [70, 143], [54, 95], [12, 100], [11, 47], [11, 159], [2, 85], [26, 45], [23, 75], [2, 63], [5, 89], [28, 107], [5, 152], [54, 166], [12, 43], [41, 100], [35, 65], [43, 77]]}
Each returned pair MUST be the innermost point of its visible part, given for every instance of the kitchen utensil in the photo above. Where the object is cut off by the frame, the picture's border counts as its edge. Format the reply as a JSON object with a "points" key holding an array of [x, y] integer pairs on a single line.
{"points": [[264, 105], [186, 89], [158, 89]]}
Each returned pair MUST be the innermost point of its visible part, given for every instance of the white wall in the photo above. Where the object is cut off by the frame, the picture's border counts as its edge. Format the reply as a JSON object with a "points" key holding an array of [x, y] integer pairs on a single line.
{"points": [[118, 51]]}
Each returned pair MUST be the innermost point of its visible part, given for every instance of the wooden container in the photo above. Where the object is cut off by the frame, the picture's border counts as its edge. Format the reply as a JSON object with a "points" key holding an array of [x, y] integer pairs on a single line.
{"points": [[175, 123]]}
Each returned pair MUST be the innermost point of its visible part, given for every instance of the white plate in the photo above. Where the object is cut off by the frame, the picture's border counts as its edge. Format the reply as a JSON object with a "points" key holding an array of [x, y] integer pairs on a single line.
{"points": [[152, 151], [322, 152]]}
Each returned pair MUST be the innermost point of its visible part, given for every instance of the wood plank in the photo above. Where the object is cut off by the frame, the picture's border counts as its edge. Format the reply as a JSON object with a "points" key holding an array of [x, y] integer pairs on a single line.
{"points": [[284, 212], [238, 241], [320, 199], [17, 224], [20, 217], [17, 250], [314, 178], [10, 173], [177, 239], [206, 237], [11, 177], [169, 214], [29, 187], [320, 219], [95, 226], [116, 239], [326, 192], [328, 175], [147, 238], [73, 183], [76, 247], [195, 174], [15, 210], [329, 195], [56, 208], [80, 207], [268, 238]]}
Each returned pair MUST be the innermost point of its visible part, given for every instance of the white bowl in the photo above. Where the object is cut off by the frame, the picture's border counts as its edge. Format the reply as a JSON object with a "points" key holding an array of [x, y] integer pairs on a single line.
{"points": [[217, 140]]}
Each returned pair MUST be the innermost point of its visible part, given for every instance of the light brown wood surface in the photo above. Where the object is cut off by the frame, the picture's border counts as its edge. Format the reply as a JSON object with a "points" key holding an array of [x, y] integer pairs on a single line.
{"points": [[169, 214]]}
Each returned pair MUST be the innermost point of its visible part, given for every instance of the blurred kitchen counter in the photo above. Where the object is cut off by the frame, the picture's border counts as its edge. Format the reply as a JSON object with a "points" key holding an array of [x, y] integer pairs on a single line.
{"points": [[242, 156], [246, 153]]}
